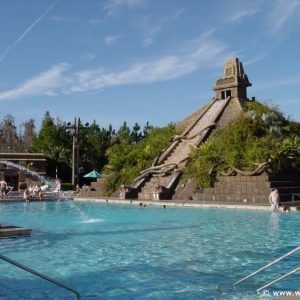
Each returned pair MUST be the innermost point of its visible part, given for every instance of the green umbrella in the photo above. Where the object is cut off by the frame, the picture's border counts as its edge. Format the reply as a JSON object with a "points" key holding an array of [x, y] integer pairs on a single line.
{"points": [[93, 174]]}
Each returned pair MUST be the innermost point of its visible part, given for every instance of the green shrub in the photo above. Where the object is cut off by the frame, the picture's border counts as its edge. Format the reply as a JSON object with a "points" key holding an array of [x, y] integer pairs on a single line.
{"points": [[126, 161], [261, 135], [67, 186]]}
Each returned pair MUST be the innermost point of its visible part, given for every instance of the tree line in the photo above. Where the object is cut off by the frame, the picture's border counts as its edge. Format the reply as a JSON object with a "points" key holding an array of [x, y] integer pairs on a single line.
{"points": [[55, 141], [261, 136]]}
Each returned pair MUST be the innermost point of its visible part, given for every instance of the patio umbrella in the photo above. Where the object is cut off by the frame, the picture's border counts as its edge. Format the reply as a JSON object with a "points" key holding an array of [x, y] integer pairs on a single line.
{"points": [[93, 174]]}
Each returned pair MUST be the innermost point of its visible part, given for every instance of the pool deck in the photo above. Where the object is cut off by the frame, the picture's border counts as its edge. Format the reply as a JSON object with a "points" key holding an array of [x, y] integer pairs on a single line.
{"points": [[293, 206], [34, 199], [189, 203]]}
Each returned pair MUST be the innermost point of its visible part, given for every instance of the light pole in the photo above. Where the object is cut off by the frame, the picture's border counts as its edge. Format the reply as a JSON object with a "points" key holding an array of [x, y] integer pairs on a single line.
{"points": [[1, 138], [75, 127]]}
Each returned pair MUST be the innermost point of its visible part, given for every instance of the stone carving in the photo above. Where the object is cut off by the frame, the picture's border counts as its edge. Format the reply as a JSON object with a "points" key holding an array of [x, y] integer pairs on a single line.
{"points": [[265, 166], [161, 170], [170, 168], [228, 72], [225, 81], [158, 188], [124, 188]]}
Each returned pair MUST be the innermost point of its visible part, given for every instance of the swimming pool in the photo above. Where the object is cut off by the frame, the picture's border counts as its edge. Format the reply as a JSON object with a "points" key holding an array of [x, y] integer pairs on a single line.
{"points": [[122, 251]]}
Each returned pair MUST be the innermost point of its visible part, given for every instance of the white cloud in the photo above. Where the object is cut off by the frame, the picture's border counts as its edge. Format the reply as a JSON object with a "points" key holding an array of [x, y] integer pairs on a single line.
{"points": [[110, 39], [88, 56], [96, 21], [150, 34], [59, 80], [112, 7], [284, 13], [242, 13], [275, 84], [258, 58], [178, 13], [151, 28], [43, 84]]}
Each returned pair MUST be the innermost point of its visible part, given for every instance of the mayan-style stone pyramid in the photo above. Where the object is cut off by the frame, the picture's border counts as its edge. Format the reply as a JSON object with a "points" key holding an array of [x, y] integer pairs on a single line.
{"points": [[160, 181]]}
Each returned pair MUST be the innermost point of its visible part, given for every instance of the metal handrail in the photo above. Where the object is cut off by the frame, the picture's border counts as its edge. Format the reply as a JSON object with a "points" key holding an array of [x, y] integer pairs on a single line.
{"points": [[270, 264], [278, 279], [39, 274]]}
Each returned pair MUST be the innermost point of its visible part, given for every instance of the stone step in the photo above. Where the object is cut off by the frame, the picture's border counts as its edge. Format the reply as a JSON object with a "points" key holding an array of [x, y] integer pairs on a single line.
{"points": [[185, 123], [142, 195], [159, 180], [248, 198], [259, 178], [182, 150], [251, 189], [241, 185]]}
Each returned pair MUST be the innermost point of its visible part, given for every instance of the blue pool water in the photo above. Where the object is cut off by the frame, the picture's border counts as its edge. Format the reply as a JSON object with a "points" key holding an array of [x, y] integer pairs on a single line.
{"points": [[111, 251]]}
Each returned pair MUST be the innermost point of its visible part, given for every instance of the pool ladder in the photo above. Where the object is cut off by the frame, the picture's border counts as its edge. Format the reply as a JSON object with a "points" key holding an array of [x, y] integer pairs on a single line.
{"points": [[267, 266], [39, 274]]}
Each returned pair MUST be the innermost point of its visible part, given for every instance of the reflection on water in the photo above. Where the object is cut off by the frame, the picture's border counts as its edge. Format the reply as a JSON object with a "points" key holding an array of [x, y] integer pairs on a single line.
{"points": [[274, 220]]}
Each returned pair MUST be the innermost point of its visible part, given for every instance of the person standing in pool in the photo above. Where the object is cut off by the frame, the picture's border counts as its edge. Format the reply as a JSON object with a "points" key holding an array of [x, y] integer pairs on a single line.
{"points": [[3, 186], [274, 199], [40, 193], [26, 195], [58, 185]]}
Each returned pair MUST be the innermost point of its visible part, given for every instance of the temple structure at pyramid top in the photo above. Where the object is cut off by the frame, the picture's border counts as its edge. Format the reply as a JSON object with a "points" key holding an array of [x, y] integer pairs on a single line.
{"points": [[234, 82]]}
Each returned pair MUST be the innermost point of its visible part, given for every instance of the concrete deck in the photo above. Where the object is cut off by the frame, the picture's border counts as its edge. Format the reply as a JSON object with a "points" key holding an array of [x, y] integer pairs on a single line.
{"points": [[293, 206], [35, 199], [188, 203]]}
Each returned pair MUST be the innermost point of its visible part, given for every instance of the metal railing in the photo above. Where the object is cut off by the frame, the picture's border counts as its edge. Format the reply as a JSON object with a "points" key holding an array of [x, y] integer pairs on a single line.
{"points": [[269, 265], [39, 274]]}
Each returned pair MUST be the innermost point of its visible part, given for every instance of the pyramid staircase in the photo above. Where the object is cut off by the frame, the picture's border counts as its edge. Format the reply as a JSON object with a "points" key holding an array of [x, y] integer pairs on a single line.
{"points": [[158, 183]]}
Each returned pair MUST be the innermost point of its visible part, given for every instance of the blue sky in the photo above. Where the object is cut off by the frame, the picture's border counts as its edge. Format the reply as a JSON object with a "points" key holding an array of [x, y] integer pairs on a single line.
{"points": [[142, 60]]}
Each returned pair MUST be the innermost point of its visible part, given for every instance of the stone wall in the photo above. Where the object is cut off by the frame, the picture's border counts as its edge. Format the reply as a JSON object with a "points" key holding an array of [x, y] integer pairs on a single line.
{"points": [[250, 189]]}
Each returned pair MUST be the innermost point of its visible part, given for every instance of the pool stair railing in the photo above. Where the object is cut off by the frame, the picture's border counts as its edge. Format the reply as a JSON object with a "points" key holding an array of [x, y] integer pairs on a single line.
{"points": [[40, 275], [269, 265]]}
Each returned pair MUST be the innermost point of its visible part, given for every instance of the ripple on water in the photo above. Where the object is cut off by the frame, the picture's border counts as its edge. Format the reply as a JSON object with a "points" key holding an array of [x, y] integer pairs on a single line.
{"points": [[125, 252]]}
